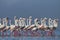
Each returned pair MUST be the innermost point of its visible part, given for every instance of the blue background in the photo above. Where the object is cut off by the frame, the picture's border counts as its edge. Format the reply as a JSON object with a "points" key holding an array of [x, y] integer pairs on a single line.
{"points": [[35, 8]]}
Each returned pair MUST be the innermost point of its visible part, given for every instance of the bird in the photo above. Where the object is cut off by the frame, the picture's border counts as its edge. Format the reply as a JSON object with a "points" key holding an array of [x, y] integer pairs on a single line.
{"points": [[2, 26]]}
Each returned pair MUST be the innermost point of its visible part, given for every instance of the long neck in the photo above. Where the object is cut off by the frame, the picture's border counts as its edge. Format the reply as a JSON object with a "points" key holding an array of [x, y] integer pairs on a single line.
{"points": [[6, 23], [0, 21], [55, 23], [24, 23], [3, 22], [45, 23], [41, 21], [27, 22], [50, 23], [16, 22], [19, 22], [30, 21], [10, 22]]}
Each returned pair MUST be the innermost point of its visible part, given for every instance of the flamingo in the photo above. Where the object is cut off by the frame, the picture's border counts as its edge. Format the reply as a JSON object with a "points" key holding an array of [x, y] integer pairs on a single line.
{"points": [[11, 26], [55, 23], [6, 22], [29, 22], [14, 26], [2, 26], [36, 22], [34, 28], [50, 23], [20, 23], [7, 28], [43, 24], [23, 24], [16, 22], [26, 25]]}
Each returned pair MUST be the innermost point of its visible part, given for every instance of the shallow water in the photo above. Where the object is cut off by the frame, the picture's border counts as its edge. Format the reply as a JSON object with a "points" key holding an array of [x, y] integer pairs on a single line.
{"points": [[29, 38], [33, 38]]}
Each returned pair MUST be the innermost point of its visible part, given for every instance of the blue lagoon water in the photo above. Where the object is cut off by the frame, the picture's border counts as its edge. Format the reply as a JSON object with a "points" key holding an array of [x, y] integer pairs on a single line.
{"points": [[30, 38]]}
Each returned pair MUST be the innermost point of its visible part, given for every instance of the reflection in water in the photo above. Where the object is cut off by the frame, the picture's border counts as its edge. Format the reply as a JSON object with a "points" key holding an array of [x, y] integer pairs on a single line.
{"points": [[29, 38]]}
